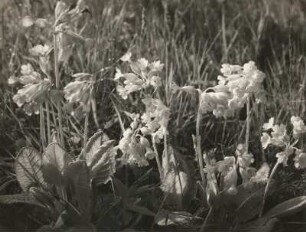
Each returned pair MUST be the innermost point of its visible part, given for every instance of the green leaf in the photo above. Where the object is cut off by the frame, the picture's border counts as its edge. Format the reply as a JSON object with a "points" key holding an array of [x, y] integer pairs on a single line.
{"points": [[260, 225], [287, 208], [140, 210], [52, 175], [250, 207], [166, 218], [28, 168], [55, 155], [102, 171], [95, 147], [24, 198], [77, 175]]}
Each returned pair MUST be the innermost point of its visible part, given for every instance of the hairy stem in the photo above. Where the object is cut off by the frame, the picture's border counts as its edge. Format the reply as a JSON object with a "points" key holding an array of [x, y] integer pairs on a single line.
{"points": [[248, 124], [57, 85], [267, 188]]}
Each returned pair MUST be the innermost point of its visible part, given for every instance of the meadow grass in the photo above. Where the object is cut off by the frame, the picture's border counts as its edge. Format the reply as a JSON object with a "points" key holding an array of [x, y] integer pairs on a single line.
{"points": [[192, 39]]}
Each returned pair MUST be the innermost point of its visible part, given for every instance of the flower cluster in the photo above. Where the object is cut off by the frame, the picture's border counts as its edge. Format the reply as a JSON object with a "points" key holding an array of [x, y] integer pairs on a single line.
{"points": [[230, 165], [143, 75], [155, 118], [65, 19], [79, 91], [298, 126], [236, 85], [34, 91], [135, 147], [276, 135]]}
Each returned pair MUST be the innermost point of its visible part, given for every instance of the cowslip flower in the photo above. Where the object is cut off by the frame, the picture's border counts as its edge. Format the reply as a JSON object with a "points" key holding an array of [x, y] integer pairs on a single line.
{"points": [[298, 126], [155, 118], [79, 91], [143, 75], [282, 157], [244, 159], [278, 134], [33, 92], [216, 101], [135, 149], [300, 159], [40, 50], [235, 86]]}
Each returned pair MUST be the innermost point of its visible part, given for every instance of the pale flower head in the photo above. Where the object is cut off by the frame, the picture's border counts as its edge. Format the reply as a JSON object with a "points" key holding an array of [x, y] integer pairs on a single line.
{"points": [[282, 157], [265, 140], [300, 160], [40, 50], [244, 158], [298, 126]]}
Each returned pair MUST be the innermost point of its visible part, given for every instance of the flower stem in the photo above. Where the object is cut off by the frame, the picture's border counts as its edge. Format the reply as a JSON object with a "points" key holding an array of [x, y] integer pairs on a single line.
{"points": [[48, 123], [86, 129], [198, 147], [159, 166], [267, 187], [42, 126], [57, 85], [248, 124]]}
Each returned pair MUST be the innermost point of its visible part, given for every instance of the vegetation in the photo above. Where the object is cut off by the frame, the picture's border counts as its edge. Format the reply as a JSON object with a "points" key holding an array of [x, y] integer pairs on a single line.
{"points": [[152, 115]]}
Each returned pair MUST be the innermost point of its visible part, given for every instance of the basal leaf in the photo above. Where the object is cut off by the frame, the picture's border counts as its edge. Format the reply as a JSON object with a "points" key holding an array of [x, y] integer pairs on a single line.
{"points": [[93, 146], [105, 167], [166, 218], [28, 168], [24, 198], [56, 156], [52, 175], [77, 175], [287, 208], [259, 225]]}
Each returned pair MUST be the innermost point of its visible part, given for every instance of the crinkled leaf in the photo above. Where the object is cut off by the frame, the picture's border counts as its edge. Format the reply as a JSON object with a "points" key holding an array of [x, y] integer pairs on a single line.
{"points": [[28, 168], [288, 207], [106, 166], [77, 175], [98, 144], [24, 198], [57, 156], [251, 206], [140, 210], [52, 175], [166, 218], [259, 225]]}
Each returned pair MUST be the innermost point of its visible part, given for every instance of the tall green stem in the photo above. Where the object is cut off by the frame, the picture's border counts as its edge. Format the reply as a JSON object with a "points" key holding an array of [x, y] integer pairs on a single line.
{"points": [[42, 126], [267, 187], [248, 124], [57, 85]]}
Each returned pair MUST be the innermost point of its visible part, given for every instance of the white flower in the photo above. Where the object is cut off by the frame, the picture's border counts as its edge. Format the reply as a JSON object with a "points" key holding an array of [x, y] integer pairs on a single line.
{"points": [[79, 91], [244, 159], [34, 90], [144, 74], [156, 117], [279, 135], [298, 126], [265, 140], [268, 125], [282, 157], [30, 94], [300, 160], [237, 85], [40, 50], [126, 57]]}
